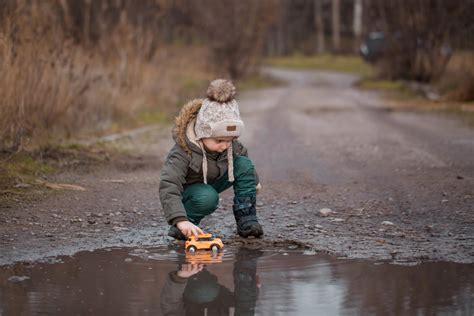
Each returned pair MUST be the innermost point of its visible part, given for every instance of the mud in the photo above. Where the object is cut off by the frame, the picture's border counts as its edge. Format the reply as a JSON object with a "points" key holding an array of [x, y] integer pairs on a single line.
{"points": [[237, 281], [400, 184]]}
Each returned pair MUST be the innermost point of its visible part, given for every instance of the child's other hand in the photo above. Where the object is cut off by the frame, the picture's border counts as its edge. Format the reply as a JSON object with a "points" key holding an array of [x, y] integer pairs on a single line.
{"points": [[188, 228], [258, 188]]}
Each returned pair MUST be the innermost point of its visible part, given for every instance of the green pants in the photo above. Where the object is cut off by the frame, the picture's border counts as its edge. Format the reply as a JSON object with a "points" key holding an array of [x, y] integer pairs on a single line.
{"points": [[200, 199]]}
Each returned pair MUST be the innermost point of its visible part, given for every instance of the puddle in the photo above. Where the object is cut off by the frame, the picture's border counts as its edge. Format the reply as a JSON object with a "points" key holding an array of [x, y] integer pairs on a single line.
{"points": [[163, 281]]}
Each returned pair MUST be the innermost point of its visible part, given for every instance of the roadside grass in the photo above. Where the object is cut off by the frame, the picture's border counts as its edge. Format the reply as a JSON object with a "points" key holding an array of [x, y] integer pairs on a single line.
{"points": [[18, 175], [257, 81], [377, 84], [23, 174], [352, 64], [393, 89]]}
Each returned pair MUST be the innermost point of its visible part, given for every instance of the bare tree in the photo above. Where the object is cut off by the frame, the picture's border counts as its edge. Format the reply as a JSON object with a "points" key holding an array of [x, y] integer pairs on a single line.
{"points": [[234, 31], [357, 26], [420, 35], [336, 25], [318, 20]]}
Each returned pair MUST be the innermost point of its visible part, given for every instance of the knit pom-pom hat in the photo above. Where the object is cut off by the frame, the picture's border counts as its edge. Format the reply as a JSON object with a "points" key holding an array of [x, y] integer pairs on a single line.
{"points": [[219, 116]]}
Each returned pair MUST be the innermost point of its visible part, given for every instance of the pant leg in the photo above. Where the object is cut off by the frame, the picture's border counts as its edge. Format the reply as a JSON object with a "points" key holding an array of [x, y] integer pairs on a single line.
{"points": [[246, 281], [245, 179], [199, 200]]}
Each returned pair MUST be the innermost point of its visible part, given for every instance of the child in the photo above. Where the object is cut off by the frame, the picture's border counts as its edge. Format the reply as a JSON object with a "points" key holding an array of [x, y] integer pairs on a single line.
{"points": [[206, 160]]}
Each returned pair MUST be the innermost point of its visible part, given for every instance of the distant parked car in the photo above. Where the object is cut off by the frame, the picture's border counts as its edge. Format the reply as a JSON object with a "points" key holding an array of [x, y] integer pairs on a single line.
{"points": [[372, 48]]}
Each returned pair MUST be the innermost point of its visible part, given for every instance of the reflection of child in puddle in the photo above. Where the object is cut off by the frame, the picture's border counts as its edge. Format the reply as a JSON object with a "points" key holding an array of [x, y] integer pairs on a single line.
{"points": [[192, 289]]}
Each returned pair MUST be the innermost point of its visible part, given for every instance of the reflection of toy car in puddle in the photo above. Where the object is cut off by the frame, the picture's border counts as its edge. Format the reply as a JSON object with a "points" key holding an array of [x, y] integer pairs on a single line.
{"points": [[203, 241], [204, 257]]}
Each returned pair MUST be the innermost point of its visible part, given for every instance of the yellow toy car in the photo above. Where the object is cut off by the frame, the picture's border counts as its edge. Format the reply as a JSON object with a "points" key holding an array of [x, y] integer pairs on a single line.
{"points": [[203, 241]]}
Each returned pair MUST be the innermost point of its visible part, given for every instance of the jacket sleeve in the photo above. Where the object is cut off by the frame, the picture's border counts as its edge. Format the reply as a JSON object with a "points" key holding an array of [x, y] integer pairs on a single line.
{"points": [[241, 150], [172, 180]]}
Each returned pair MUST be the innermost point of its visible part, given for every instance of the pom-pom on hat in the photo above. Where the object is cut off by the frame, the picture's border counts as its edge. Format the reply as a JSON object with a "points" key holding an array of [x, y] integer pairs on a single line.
{"points": [[221, 90], [219, 116]]}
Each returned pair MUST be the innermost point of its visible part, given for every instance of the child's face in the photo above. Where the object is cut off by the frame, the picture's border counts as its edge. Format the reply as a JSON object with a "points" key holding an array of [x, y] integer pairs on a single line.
{"points": [[219, 144]]}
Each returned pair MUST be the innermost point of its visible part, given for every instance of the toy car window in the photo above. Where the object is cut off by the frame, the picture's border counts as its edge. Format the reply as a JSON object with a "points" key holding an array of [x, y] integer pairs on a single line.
{"points": [[204, 239]]}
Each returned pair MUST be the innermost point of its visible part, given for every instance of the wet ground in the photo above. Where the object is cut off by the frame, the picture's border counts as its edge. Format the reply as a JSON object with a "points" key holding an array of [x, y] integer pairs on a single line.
{"points": [[237, 281], [399, 184]]}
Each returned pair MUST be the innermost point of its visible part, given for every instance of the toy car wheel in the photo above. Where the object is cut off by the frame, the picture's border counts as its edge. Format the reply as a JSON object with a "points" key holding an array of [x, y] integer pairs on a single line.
{"points": [[192, 249], [215, 247]]}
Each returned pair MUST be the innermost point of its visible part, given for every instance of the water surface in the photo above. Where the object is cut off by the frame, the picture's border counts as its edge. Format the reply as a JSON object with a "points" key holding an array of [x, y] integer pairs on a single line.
{"points": [[162, 281]]}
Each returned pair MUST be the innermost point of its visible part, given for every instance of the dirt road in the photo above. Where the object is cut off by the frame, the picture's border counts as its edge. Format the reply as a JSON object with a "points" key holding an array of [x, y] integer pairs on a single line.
{"points": [[400, 184]]}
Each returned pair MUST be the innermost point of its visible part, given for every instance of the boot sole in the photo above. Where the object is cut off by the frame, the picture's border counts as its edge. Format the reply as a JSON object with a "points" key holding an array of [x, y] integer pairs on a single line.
{"points": [[253, 231]]}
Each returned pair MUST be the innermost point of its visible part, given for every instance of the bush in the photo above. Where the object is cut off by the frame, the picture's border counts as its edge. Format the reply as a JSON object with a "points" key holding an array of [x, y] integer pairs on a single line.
{"points": [[420, 35], [457, 83]]}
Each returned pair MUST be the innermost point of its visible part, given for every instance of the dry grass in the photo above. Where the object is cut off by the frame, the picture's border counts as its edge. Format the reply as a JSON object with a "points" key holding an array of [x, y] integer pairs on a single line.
{"points": [[457, 83], [339, 63], [53, 88], [37, 86]]}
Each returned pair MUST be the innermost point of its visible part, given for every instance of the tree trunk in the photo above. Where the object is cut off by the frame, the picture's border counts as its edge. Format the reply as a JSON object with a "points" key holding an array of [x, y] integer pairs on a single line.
{"points": [[67, 15], [318, 19], [87, 22], [357, 27], [336, 26]]}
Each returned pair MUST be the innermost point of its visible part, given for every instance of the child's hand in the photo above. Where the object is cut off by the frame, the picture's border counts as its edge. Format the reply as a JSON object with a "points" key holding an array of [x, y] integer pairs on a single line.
{"points": [[258, 187], [188, 228], [188, 270]]}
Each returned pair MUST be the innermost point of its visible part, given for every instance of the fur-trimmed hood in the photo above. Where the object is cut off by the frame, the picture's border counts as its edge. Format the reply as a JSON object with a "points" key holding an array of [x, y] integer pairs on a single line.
{"points": [[183, 131]]}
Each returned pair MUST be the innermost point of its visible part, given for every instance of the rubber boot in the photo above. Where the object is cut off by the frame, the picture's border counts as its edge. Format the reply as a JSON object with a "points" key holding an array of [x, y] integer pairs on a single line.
{"points": [[245, 215], [246, 281], [176, 233]]}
